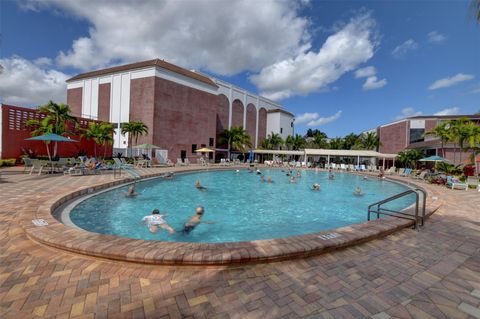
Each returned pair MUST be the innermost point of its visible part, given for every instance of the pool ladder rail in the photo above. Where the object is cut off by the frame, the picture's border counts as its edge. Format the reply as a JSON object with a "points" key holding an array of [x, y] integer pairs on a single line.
{"points": [[419, 214]]}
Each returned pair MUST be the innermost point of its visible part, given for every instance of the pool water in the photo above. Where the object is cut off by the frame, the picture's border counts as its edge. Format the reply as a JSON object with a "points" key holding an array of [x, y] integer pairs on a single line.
{"points": [[241, 207]]}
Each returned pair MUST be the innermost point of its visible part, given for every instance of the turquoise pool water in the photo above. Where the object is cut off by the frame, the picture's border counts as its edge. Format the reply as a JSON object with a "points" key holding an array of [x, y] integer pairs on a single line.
{"points": [[242, 207]]}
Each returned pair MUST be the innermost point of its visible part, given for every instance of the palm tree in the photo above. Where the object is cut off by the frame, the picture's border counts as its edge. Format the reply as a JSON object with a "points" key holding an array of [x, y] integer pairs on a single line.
{"points": [[134, 130], [441, 131], [265, 144], [349, 141], [299, 142], [236, 138], [101, 134], [42, 127], [59, 116], [275, 140], [368, 141], [475, 9], [289, 142], [409, 158], [336, 143], [320, 140]]}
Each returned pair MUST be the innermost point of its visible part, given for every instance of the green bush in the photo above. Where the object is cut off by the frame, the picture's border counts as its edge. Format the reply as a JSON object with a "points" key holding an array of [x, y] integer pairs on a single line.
{"points": [[7, 162]]}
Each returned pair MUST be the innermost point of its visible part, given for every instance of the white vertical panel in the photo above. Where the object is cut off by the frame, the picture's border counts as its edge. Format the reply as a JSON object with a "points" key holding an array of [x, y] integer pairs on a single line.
{"points": [[94, 99], [115, 107], [125, 98], [86, 98]]}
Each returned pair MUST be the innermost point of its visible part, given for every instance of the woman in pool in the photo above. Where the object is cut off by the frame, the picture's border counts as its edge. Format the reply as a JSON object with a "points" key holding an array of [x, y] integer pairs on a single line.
{"points": [[195, 220], [269, 180], [155, 221], [262, 179], [199, 186], [316, 187], [358, 191], [293, 180], [131, 191]]}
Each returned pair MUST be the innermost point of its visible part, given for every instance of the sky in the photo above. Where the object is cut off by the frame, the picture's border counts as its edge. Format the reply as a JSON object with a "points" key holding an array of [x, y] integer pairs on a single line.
{"points": [[339, 66]]}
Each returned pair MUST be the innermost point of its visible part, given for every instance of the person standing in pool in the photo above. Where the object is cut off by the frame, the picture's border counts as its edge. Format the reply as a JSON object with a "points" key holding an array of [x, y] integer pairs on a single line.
{"points": [[195, 220], [131, 191], [155, 221], [358, 191], [199, 186]]}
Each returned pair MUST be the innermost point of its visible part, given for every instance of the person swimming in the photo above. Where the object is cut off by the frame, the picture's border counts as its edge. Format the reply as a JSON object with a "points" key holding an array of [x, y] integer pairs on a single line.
{"points": [[262, 178], [358, 191], [299, 174], [237, 171], [131, 191], [331, 176], [365, 178], [199, 186], [169, 175], [316, 187], [293, 180], [195, 220], [258, 172], [269, 180], [155, 221]]}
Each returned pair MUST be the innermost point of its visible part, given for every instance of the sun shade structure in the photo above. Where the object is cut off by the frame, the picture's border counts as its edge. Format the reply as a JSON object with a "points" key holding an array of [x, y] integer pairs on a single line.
{"points": [[146, 146], [204, 150], [52, 137], [433, 158]]}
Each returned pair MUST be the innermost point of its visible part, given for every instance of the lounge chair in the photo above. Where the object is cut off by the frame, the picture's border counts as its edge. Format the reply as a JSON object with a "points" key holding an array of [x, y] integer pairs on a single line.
{"points": [[186, 162], [37, 165], [406, 172], [421, 175], [343, 167], [362, 167], [473, 181], [28, 164], [454, 183], [390, 171]]}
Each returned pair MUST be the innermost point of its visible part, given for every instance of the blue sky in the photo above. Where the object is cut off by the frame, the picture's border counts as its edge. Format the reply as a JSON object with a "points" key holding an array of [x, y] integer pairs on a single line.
{"points": [[340, 66]]}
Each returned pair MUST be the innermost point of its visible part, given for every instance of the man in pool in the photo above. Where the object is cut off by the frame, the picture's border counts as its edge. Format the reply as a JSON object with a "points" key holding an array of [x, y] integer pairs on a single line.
{"points": [[358, 191], [316, 187], [131, 191], [195, 220], [199, 186], [155, 221]]}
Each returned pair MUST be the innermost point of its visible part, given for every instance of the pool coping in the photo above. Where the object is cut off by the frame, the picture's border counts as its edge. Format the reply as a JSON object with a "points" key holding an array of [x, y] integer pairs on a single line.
{"points": [[71, 239]]}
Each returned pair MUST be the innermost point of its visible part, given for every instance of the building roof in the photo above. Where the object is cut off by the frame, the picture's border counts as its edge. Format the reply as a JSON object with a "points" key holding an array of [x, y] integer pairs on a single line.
{"points": [[444, 117], [281, 111], [143, 64]]}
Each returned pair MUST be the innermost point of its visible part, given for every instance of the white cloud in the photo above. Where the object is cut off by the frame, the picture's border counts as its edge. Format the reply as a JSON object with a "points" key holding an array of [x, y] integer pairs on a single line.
{"points": [[314, 119], [306, 117], [25, 83], [408, 112], [373, 83], [450, 81], [435, 37], [476, 89], [310, 71], [403, 48], [220, 37], [43, 61], [449, 111], [365, 72]]}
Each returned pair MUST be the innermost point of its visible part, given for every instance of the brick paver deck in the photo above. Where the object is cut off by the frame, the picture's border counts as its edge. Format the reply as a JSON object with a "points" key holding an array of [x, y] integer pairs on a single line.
{"points": [[432, 273]]}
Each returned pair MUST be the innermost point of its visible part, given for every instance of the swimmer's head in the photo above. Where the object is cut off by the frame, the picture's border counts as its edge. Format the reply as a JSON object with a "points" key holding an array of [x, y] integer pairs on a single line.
{"points": [[200, 210], [155, 212]]}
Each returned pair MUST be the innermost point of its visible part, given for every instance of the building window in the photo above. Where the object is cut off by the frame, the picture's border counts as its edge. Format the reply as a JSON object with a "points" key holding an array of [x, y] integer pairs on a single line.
{"points": [[281, 130], [291, 124], [204, 145], [417, 135], [211, 141], [194, 148]]}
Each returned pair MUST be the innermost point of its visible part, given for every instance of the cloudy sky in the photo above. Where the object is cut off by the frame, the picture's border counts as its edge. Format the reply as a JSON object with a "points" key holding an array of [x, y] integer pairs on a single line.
{"points": [[339, 66]]}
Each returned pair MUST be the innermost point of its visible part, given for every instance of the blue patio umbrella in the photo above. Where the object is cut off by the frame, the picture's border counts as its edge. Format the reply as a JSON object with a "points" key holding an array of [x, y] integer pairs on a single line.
{"points": [[50, 137], [433, 158]]}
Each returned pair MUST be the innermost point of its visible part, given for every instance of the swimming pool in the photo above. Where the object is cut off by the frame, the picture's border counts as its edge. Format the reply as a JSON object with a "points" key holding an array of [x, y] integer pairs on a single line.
{"points": [[241, 207]]}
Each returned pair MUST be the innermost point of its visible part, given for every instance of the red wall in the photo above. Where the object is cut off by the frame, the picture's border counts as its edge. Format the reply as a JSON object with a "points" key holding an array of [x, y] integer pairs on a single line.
{"points": [[262, 125], [74, 100], [251, 122], [104, 102], [222, 119], [237, 113], [393, 138], [14, 134]]}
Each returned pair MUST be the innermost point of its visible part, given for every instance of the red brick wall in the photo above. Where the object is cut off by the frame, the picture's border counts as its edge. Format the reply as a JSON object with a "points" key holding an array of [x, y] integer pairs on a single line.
{"points": [[142, 100], [14, 133], [430, 124], [262, 125], [104, 102], [393, 137], [183, 116], [74, 100], [454, 157], [221, 118], [251, 122], [237, 113]]}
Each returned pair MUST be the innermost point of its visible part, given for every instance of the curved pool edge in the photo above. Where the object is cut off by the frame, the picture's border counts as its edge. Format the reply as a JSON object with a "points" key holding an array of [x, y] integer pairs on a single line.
{"points": [[75, 240]]}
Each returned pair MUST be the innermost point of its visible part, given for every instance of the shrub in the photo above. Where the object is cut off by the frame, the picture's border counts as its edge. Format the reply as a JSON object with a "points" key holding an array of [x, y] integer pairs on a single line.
{"points": [[7, 162]]}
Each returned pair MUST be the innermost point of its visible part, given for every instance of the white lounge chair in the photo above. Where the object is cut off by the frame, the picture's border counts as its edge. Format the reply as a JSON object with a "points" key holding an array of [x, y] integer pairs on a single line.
{"points": [[473, 181]]}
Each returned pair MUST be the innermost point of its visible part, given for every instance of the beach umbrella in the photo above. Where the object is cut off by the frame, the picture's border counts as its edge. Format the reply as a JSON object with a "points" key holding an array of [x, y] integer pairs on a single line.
{"points": [[204, 150], [433, 158], [51, 137], [147, 146]]}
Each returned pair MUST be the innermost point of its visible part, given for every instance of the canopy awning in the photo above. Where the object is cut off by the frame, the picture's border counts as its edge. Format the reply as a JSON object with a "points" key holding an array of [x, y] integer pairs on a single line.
{"points": [[328, 152]]}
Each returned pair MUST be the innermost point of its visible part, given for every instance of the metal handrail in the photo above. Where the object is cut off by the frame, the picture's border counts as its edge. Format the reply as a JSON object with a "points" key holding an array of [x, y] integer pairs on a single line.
{"points": [[400, 214]]}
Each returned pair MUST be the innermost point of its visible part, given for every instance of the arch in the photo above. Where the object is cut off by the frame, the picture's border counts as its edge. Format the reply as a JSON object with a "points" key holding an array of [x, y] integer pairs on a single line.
{"points": [[222, 111], [251, 122], [262, 125], [237, 113]]}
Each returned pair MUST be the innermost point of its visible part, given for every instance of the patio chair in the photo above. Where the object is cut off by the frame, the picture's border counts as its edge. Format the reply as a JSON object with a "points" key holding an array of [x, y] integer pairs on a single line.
{"points": [[421, 175], [406, 172], [186, 162], [473, 181], [454, 183], [37, 165], [28, 164], [362, 167], [124, 162], [343, 167]]}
